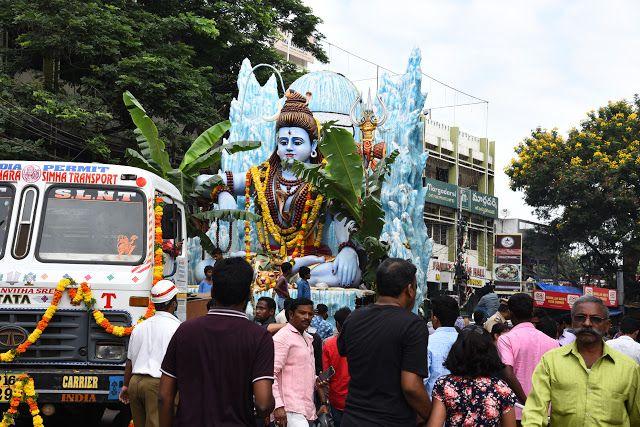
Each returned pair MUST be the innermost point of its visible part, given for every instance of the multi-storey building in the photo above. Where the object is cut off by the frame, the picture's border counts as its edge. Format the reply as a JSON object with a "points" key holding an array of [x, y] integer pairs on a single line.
{"points": [[292, 53], [459, 178]]}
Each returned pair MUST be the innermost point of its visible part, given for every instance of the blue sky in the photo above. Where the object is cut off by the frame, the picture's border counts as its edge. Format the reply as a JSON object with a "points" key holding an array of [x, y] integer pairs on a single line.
{"points": [[538, 63]]}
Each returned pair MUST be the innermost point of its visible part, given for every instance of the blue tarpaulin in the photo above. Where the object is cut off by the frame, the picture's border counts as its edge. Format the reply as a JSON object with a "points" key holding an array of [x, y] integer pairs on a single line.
{"points": [[557, 288]]}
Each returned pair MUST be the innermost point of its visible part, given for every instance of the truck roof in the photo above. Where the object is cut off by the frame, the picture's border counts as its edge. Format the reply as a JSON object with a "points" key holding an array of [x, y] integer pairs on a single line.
{"points": [[35, 175]]}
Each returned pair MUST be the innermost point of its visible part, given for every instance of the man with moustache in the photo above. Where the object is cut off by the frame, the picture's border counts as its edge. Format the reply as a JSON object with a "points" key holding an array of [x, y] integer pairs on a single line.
{"points": [[586, 382], [295, 369]]}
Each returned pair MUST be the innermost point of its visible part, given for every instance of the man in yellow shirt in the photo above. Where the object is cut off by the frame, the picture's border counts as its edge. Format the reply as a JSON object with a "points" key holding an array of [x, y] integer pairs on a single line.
{"points": [[587, 382]]}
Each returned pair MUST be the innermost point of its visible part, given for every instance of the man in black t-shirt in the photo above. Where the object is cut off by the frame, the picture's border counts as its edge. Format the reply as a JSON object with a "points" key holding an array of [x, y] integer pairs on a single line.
{"points": [[386, 349], [221, 363]]}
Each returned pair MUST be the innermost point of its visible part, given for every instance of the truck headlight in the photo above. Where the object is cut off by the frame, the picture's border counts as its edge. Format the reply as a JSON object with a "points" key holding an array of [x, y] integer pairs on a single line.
{"points": [[110, 351]]}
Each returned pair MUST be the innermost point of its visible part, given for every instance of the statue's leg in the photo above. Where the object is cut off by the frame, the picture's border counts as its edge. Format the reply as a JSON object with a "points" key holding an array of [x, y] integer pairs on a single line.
{"points": [[306, 261], [323, 273]]}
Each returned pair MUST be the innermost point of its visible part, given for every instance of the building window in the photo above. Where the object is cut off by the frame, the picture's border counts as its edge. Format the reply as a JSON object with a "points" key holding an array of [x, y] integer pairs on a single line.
{"points": [[438, 232], [442, 174], [473, 240]]}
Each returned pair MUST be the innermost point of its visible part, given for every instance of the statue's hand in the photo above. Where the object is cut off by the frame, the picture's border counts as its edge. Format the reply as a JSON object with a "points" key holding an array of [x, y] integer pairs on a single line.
{"points": [[345, 266], [227, 200]]}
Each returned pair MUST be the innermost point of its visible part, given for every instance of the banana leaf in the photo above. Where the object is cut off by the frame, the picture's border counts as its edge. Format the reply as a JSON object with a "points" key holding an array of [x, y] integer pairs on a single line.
{"points": [[205, 142], [328, 187], [214, 155], [137, 160], [372, 218], [344, 165], [376, 178], [204, 189], [205, 241], [227, 215], [151, 146]]}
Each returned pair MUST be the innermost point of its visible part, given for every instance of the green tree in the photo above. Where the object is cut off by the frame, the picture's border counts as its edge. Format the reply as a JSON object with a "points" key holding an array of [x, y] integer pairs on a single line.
{"points": [[68, 62], [588, 186]]}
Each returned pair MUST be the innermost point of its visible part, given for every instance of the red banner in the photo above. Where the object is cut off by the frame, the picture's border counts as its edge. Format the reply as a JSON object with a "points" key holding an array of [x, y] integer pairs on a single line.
{"points": [[555, 300], [608, 296]]}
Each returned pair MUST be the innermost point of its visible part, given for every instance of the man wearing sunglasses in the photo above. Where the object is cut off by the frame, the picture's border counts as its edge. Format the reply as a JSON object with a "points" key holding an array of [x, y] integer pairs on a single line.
{"points": [[586, 382]]}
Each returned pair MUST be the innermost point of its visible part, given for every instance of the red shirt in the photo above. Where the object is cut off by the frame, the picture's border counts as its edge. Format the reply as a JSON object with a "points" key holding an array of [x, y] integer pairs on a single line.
{"points": [[339, 383]]}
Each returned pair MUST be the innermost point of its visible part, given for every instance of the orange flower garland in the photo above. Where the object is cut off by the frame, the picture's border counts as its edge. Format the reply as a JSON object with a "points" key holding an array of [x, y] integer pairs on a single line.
{"points": [[22, 391], [247, 225], [82, 294]]}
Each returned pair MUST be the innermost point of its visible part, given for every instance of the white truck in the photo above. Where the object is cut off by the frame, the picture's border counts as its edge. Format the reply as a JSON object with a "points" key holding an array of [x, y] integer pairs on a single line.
{"points": [[93, 223]]}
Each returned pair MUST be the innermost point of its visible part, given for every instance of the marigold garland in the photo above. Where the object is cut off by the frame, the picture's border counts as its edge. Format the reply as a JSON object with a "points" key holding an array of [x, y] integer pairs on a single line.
{"points": [[289, 238], [82, 294], [23, 391]]}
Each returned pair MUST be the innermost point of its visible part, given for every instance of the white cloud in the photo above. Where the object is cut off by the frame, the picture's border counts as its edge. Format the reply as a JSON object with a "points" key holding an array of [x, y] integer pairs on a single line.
{"points": [[539, 63]]}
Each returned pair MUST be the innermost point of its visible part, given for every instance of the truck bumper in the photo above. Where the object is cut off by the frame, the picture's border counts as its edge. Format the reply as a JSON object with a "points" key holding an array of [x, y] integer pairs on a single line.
{"points": [[67, 385]]}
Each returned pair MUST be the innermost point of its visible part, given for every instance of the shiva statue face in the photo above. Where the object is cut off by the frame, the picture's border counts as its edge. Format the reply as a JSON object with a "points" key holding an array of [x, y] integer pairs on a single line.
{"points": [[294, 144]]}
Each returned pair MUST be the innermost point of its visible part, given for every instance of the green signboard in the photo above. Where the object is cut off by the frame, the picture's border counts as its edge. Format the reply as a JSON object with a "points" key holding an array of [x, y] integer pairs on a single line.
{"points": [[483, 204], [444, 194], [441, 193]]}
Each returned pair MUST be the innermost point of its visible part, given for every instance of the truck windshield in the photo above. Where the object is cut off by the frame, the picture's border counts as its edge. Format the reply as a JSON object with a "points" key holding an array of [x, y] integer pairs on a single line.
{"points": [[6, 203], [93, 225]]}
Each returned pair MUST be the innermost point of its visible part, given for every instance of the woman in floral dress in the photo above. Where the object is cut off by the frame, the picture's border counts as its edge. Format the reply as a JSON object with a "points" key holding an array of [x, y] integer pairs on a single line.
{"points": [[473, 395]]}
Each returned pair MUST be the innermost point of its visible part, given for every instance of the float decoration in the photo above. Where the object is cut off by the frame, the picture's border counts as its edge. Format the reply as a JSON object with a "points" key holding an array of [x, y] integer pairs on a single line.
{"points": [[23, 391]]}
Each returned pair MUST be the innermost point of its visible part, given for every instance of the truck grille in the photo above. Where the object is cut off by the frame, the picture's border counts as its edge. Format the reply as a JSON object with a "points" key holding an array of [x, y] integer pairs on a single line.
{"points": [[70, 337]]}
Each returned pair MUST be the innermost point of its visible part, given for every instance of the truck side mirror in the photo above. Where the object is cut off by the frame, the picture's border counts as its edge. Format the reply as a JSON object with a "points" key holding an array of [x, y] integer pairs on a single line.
{"points": [[170, 221]]}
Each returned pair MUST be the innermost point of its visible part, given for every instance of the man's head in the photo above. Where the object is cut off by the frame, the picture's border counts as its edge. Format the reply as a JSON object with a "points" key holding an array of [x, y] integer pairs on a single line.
{"points": [[503, 308], [286, 268], [217, 254], [479, 317], [305, 273], [265, 308], [396, 278], [170, 306], [340, 317], [285, 306], [590, 319], [323, 311], [163, 296], [630, 326], [444, 311], [521, 308], [208, 272], [300, 313], [233, 277]]}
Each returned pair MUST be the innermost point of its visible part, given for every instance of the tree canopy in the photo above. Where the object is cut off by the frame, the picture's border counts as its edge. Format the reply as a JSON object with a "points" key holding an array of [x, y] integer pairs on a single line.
{"points": [[67, 63], [587, 185]]}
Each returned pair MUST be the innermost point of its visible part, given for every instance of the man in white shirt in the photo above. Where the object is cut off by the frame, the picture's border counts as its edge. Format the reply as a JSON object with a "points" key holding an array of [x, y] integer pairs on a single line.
{"points": [[626, 343], [147, 346]]}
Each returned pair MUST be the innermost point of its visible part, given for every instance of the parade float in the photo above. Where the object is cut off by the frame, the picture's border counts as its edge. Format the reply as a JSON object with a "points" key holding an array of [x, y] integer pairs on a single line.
{"points": [[335, 185]]}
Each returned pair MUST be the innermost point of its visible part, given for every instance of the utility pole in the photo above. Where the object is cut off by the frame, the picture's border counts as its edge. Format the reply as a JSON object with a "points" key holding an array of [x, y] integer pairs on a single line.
{"points": [[460, 274]]}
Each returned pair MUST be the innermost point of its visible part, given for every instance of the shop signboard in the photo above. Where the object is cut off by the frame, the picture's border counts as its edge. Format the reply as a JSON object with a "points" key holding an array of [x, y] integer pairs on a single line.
{"points": [[445, 194], [483, 204], [507, 267], [608, 296], [554, 300], [441, 193]]}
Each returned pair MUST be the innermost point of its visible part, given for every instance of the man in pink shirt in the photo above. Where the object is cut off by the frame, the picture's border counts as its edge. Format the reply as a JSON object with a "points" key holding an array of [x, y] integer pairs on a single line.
{"points": [[294, 369], [522, 347]]}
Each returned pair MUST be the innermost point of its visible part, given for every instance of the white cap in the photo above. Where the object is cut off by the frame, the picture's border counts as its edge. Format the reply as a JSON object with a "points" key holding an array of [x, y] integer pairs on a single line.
{"points": [[163, 291]]}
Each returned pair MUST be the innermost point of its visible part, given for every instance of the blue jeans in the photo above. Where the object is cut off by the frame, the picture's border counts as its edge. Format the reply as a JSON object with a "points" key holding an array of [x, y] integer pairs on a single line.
{"points": [[280, 302]]}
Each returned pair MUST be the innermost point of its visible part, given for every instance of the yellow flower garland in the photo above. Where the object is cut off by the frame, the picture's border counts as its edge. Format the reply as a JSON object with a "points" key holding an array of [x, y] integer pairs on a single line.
{"points": [[23, 391], [288, 238]]}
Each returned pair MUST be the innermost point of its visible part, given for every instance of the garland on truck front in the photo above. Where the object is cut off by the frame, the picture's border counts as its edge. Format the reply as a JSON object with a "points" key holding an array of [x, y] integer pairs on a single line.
{"points": [[22, 391], [82, 294]]}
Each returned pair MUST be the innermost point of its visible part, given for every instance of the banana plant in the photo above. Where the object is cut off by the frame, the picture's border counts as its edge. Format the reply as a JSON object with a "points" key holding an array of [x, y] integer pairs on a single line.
{"points": [[204, 152], [353, 192]]}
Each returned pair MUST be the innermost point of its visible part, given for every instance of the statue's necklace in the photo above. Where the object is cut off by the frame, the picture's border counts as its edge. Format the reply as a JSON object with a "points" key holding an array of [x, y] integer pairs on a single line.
{"points": [[277, 202]]}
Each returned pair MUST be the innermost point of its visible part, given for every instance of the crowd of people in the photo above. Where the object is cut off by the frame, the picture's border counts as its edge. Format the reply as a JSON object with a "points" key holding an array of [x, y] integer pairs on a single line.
{"points": [[379, 366]]}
